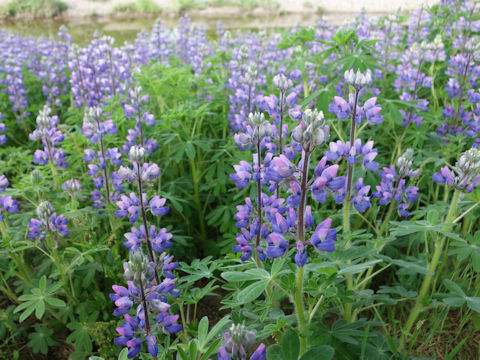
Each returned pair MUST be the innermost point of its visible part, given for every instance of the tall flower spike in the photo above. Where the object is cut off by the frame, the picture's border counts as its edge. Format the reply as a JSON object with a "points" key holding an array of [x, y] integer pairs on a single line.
{"points": [[50, 137], [238, 340], [312, 131], [393, 188], [359, 79], [465, 174], [48, 222], [151, 306]]}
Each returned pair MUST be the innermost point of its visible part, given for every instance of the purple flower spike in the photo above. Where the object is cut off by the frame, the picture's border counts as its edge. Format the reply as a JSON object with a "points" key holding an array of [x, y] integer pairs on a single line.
{"points": [[340, 108], [372, 111], [243, 174], [260, 353], [152, 345], [361, 200], [281, 168], [277, 245], [446, 176], [7, 204], [222, 354], [3, 183], [300, 256], [323, 238], [156, 206]]}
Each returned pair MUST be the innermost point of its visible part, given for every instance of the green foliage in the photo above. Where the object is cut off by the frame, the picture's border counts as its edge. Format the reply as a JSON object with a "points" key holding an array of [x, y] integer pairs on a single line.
{"points": [[206, 343], [289, 349], [41, 339], [138, 7], [34, 8], [39, 299]]}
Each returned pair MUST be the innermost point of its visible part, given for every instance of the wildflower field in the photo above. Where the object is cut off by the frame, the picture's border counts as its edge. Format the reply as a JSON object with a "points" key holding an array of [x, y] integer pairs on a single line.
{"points": [[308, 193]]}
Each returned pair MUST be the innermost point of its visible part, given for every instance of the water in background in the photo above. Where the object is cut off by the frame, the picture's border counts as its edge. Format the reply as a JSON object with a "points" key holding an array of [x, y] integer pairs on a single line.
{"points": [[122, 30]]}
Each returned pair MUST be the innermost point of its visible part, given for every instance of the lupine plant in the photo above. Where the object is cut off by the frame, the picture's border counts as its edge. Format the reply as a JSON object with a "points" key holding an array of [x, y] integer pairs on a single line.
{"points": [[318, 197]]}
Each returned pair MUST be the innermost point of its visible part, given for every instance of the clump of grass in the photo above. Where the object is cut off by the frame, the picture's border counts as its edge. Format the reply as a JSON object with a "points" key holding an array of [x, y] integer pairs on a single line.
{"points": [[139, 6], [34, 8], [185, 5]]}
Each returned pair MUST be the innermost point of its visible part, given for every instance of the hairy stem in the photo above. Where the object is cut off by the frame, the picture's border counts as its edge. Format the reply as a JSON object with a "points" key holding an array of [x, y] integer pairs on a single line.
{"points": [[144, 219], [428, 278], [346, 204], [298, 297]]}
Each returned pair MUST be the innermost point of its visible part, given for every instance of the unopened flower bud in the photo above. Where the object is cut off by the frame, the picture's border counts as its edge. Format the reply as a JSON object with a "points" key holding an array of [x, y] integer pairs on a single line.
{"points": [[71, 186], [92, 114], [265, 130], [469, 162], [44, 210], [321, 136], [358, 80], [43, 118], [297, 133], [36, 177], [252, 74], [282, 83], [137, 154], [238, 340], [139, 268], [256, 119]]}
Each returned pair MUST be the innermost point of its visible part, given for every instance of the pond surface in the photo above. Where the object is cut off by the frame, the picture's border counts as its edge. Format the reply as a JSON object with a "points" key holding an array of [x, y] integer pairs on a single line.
{"points": [[82, 29]]}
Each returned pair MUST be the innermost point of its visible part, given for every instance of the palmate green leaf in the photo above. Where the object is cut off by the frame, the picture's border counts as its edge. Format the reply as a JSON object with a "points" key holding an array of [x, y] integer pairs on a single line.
{"points": [[357, 268], [314, 95], [202, 331], [211, 349], [217, 328], [123, 354], [42, 285], [412, 267], [80, 336], [193, 349], [252, 291], [190, 150], [409, 227], [182, 353], [29, 309], [476, 261], [41, 339], [454, 301], [274, 352], [290, 345], [40, 309], [252, 274], [347, 332], [323, 352], [473, 303], [453, 287]]}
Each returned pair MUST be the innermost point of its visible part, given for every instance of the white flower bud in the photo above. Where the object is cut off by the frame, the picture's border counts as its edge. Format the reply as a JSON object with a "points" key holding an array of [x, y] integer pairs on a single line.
{"points": [[297, 134], [256, 119], [44, 210], [36, 177], [282, 83], [137, 154]]}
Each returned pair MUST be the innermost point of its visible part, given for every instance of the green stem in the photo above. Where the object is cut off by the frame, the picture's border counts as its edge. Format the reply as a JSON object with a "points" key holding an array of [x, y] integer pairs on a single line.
{"points": [[346, 206], [299, 309], [387, 217], [305, 87], [196, 192], [298, 297], [428, 278], [18, 260], [56, 260]]}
